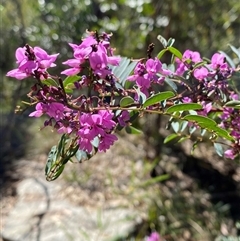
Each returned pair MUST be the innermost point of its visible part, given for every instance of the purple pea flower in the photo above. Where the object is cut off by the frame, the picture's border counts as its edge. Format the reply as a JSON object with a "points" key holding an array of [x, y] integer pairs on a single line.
{"points": [[200, 73], [106, 141], [123, 118], [54, 110], [229, 154], [43, 59], [25, 65], [30, 60]]}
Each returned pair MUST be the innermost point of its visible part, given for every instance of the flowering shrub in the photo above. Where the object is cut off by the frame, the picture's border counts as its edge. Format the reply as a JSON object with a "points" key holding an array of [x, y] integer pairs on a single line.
{"points": [[103, 93]]}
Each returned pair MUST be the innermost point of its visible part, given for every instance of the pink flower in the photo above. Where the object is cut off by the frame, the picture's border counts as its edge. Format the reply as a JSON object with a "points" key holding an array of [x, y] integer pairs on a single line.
{"points": [[188, 58], [31, 60], [154, 237], [106, 141], [43, 59], [229, 154], [40, 110], [200, 73], [123, 118], [217, 60], [75, 64], [54, 110]]}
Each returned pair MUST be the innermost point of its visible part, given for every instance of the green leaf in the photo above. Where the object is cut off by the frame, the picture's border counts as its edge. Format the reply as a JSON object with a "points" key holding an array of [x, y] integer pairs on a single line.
{"points": [[172, 137], [203, 121], [71, 80], [221, 132], [233, 103], [132, 130], [175, 51], [162, 40], [126, 101], [158, 98], [69, 88], [50, 82], [209, 124], [184, 107], [161, 53], [52, 156]]}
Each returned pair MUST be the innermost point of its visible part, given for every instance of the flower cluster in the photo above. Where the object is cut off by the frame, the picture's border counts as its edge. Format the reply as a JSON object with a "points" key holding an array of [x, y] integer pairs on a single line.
{"points": [[148, 73], [95, 110], [97, 52], [76, 117], [32, 62]]}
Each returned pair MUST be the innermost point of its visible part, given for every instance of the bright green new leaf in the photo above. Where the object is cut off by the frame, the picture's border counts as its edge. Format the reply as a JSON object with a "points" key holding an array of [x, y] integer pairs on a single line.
{"points": [[161, 53], [50, 82], [71, 80], [175, 51], [158, 98], [184, 107]]}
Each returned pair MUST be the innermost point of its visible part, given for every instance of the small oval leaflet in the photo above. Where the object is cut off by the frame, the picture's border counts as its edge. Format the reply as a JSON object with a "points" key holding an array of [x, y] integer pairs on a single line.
{"points": [[158, 98], [184, 107]]}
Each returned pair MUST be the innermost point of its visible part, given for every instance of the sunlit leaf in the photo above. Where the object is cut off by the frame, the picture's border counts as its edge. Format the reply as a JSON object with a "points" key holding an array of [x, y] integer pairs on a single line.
{"points": [[161, 53], [175, 51], [50, 82], [71, 80]]}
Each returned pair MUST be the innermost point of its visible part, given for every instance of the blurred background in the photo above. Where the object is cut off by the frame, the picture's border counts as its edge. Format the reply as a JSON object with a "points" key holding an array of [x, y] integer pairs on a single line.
{"points": [[205, 26]]}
